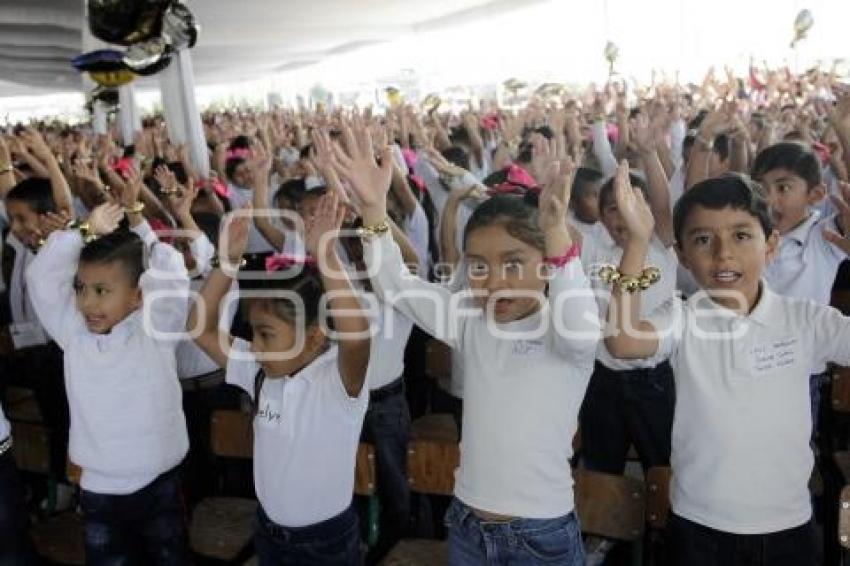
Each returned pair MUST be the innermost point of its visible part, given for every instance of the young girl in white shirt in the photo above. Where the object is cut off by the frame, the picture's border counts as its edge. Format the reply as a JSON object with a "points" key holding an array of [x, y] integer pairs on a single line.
{"points": [[528, 358], [117, 325], [308, 392]]}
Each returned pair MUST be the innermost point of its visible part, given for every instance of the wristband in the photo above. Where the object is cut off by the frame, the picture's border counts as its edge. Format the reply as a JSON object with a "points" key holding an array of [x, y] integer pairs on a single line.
{"points": [[630, 283], [216, 263], [84, 228], [562, 260], [374, 230], [134, 208]]}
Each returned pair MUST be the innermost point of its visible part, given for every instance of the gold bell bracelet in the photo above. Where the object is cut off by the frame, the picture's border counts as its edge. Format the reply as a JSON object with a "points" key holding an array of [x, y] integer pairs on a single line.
{"points": [[630, 283]]}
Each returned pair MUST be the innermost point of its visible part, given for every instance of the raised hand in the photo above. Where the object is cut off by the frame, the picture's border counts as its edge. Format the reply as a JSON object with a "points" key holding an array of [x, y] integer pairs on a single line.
{"points": [[166, 179], [321, 232], [632, 205], [39, 148], [356, 163], [555, 197], [105, 218], [323, 159], [132, 187], [642, 138], [842, 203], [51, 222], [233, 238]]}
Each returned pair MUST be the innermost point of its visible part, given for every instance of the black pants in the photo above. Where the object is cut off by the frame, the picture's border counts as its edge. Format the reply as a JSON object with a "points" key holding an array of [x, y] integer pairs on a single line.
{"points": [[15, 548], [334, 542], [41, 369], [623, 408], [198, 406], [691, 544], [387, 427], [145, 527]]}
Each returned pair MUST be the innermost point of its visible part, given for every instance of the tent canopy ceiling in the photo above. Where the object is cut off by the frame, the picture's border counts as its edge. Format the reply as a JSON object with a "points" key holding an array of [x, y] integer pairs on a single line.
{"points": [[239, 40]]}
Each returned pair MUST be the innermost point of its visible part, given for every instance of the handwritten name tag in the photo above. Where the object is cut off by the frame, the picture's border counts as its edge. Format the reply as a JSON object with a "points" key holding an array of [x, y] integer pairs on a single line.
{"points": [[269, 413], [528, 348], [772, 356]]}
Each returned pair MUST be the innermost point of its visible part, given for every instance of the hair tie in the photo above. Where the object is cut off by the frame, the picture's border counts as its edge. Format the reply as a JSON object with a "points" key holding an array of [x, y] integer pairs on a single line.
{"points": [[280, 262], [241, 152]]}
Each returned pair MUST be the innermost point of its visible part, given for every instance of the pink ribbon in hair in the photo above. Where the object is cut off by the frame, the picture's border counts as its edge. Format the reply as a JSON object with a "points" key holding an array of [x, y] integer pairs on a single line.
{"points": [[123, 166], [822, 151], [241, 152], [418, 182], [279, 262], [216, 185], [490, 121], [517, 182], [409, 157]]}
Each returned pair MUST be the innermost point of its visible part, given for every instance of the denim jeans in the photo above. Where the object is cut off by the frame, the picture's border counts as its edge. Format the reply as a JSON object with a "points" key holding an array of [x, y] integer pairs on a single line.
{"points": [[334, 542], [144, 527], [692, 544], [627, 407], [475, 542], [387, 427], [15, 548]]}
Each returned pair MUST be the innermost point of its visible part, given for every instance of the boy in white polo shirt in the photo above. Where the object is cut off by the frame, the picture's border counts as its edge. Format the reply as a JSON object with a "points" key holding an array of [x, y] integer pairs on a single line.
{"points": [[811, 247], [741, 355]]}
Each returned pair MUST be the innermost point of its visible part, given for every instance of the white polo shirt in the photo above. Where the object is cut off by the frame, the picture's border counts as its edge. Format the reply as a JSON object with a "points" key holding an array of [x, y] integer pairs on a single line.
{"points": [[602, 250], [417, 229], [306, 434], [26, 329], [127, 424], [524, 384], [806, 264], [740, 455], [386, 358], [5, 428]]}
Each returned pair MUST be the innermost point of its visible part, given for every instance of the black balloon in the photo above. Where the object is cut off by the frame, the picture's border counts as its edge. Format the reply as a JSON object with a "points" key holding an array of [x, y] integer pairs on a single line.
{"points": [[125, 22]]}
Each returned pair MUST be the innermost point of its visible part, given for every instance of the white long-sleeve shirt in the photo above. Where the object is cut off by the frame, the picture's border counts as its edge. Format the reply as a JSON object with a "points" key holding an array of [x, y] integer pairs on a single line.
{"points": [[524, 383], [740, 455], [127, 423]]}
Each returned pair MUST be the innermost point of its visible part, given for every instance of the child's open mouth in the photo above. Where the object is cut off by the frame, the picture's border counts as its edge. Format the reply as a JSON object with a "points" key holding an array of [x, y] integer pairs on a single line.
{"points": [[727, 276]]}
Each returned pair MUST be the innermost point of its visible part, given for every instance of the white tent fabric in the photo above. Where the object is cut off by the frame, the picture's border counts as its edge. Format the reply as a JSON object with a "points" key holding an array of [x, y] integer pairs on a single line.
{"points": [[239, 40]]}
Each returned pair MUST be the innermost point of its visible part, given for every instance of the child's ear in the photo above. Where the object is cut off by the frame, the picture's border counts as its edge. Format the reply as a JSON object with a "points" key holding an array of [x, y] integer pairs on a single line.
{"points": [[137, 297], [816, 194], [771, 246], [314, 338]]}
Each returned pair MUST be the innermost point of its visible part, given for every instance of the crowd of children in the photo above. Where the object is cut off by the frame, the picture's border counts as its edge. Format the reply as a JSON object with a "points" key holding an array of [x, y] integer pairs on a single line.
{"points": [[655, 267]]}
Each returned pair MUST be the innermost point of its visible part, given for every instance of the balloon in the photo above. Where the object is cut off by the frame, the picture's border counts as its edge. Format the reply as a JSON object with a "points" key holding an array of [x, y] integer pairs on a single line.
{"points": [[179, 29], [148, 57], [125, 22], [105, 67], [802, 24], [611, 54]]}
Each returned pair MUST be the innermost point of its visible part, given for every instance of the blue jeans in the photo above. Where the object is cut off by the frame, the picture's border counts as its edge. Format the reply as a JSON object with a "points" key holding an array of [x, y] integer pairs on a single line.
{"points": [[15, 548], [147, 526], [475, 542], [334, 542]]}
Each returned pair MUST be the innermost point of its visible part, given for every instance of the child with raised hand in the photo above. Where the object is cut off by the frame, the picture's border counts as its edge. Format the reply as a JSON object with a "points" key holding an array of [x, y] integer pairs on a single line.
{"points": [[115, 322], [811, 247], [741, 356], [528, 361], [308, 391]]}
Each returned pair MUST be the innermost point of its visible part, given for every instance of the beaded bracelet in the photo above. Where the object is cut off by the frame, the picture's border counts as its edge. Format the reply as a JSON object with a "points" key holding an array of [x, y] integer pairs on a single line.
{"points": [[630, 283], [216, 263], [135, 208], [374, 230], [84, 228]]}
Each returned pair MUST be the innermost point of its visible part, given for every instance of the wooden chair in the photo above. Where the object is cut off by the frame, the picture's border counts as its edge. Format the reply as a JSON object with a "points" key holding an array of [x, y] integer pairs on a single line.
{"points": [[610, 506], [844, 525], [433, 456], [222, 527], [32, 447], [60, 539], [657, 509]]}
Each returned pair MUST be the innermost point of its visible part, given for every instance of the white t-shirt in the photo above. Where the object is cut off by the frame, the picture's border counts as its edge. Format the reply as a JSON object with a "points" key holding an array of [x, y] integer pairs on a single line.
{"points": [[806, 264], [740, 455], [522, 391], [127, 424], [26, 330], [602, 250], [5, 428], [386, 358], [306, 434]]}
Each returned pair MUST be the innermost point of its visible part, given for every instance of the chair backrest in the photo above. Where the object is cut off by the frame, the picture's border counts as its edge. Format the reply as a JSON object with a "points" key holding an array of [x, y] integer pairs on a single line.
{"points": [[844, 517], [232, 434], [658, 496], [609, 505], [438, 359], [841, 390], [433, 454], [74, 472]]}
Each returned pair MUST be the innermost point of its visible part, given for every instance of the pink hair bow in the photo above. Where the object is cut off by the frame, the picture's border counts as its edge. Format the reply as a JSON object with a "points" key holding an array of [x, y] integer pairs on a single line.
{"points": [[517, 182], [241, 152], [216, 185], [409, 157], [490, 121], [279, 262], [123, 165]]}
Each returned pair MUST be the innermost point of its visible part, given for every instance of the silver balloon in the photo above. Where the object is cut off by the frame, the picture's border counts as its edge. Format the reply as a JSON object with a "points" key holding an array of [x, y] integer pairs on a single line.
{"points": [[147, 57], [179, 29], [611, 54], [802, 24]]}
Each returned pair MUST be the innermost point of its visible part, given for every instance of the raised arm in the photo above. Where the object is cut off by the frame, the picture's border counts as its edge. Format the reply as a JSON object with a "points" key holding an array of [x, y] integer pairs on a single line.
{"points": [[659, 187], [58, 183], [261, 166], [7, 172], [204, 314], [627, 336], [352, 329]]}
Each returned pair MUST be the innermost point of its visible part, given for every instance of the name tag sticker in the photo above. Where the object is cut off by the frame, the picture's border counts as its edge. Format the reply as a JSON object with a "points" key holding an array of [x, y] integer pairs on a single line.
{"points": [[772, 356], [27, 335], [269, 413], [529, 348]]}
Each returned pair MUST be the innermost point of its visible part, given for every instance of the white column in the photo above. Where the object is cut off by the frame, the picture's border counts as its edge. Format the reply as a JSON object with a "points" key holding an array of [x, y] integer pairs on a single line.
{"points": [[177, 84], [129, 119]]}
